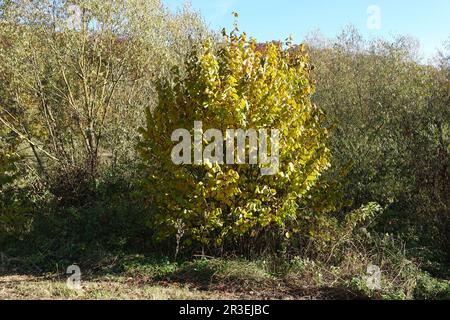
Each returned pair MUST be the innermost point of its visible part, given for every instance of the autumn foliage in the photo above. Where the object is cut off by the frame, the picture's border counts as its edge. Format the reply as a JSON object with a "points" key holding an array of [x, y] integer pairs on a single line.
{"points": [[235, 86]]}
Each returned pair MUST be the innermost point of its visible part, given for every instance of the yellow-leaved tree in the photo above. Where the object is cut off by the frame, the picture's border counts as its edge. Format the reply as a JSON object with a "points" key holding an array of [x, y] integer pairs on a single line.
{"points": [[238, 84]]}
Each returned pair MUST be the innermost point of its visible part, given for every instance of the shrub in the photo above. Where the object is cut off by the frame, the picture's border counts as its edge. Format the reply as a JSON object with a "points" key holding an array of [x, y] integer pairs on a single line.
{"points": [[235, 87]]}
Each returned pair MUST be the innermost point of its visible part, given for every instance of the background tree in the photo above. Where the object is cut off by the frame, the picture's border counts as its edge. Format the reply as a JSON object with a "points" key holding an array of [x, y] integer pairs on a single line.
{"points": [[75, 80], [390, 117], [77, 76]]}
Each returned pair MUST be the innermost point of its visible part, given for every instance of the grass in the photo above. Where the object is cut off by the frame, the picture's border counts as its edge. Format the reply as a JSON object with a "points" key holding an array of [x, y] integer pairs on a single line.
{"points": [[105, 288], [159, 278]]}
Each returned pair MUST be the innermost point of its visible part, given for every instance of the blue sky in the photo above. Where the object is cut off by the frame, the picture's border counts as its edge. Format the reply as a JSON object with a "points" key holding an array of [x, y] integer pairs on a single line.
{"points": [[426, 20]]}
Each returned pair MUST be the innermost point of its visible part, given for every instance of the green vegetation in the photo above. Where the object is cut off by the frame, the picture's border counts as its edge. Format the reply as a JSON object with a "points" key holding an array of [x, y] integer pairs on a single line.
{"points": [[391, 118], [145, 277], [236, 87], [87, 109]]}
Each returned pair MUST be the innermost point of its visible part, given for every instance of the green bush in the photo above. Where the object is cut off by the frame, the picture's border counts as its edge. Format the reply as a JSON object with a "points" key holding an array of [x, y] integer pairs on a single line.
{"points": [[235, 87]]}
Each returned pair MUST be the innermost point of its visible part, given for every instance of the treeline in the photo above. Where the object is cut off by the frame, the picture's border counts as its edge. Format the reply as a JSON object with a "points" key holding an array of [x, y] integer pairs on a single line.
{"points": [[87, 108]]}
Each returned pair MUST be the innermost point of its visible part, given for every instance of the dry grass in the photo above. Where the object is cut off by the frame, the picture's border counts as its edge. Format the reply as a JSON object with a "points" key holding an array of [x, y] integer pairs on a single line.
{"points": [[106, 288], [149, 278]]}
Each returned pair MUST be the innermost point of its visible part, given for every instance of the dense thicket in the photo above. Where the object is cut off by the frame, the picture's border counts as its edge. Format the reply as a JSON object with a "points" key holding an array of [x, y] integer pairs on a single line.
{"points": [[390, 116], [75, 80]]}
